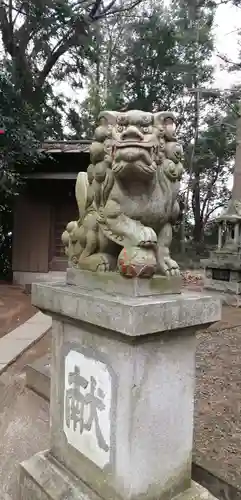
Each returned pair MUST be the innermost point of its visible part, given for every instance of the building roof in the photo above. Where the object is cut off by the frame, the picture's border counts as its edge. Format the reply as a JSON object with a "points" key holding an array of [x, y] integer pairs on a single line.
{"points": [[82, 146]]}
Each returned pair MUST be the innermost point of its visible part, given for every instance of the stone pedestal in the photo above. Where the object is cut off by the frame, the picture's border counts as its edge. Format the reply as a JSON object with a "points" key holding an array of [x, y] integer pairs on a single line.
{"points": [[122, 388]]}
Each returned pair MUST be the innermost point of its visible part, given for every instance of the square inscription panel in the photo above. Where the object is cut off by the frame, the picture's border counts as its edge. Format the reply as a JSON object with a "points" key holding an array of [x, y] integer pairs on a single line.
{"points": [[88, 406]]}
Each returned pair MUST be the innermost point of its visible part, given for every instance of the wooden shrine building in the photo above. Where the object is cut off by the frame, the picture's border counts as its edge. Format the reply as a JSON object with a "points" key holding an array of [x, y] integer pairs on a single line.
{"points": [[42, 210]]}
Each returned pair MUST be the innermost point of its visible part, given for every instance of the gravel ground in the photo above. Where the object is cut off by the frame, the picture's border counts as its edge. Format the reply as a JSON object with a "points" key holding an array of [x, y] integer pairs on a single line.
{"points": [[15, 308], [24, 420], [217, 436]]}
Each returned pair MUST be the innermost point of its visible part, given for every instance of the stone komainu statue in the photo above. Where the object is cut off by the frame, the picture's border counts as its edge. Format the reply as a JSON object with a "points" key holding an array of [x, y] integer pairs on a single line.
{"points": [[127, 200]]}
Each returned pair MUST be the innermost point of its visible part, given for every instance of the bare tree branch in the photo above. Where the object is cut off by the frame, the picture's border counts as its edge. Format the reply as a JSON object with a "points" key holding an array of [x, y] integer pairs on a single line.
{"points": [[61, 48], [10, 13], [225, 2], [6, 30], [16, 41], [209, 192], [108, 7], [111, 11], [95, 9], [220, 205], [224, 58]]}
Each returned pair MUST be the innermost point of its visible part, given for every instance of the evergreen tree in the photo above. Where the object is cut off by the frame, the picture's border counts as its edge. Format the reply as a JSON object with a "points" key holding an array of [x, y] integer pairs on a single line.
{"points": [[51, 38], [161, 59]]}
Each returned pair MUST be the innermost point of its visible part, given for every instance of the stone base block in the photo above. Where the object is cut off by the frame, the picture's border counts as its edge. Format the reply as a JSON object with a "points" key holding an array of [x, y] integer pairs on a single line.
{"points": [[129, 364], [224, 278], [43, 478], [228, 292], [27, 278], [115, 284], [131, 316], [223, 286], [222, 260], [38, 377]]}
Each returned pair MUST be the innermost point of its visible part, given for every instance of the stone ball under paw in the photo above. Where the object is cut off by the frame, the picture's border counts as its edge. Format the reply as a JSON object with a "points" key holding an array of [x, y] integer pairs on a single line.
{"points": [[136, 262]]}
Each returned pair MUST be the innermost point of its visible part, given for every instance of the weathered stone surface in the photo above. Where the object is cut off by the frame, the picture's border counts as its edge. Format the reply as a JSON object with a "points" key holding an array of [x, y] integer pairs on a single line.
{"points": [[38, 376], [44, 479], [151, 388], [122, 388], [224, 277], [230, 287], [223, 261], [115, 284], [219, 488], [130, 316], [128, 198], [223, 274], [196, 492]]}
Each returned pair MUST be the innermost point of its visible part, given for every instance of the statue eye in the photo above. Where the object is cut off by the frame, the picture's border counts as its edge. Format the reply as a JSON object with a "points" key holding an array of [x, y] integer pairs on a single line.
{"points": [[146, 130], [120, 128]]}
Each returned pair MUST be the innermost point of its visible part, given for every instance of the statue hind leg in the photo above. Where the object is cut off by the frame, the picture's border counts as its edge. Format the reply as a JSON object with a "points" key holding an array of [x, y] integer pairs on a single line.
{"points": [[99, 262], [105, 259]]}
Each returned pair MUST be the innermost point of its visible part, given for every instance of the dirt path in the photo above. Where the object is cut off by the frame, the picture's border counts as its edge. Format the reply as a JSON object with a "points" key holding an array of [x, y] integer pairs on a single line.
{"points": [[24, 420], [217, 433], [15, 308]]}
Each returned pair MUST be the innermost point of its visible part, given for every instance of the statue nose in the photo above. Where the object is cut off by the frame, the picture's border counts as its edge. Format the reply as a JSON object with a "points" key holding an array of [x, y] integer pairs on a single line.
{"points": [[132, 132]]}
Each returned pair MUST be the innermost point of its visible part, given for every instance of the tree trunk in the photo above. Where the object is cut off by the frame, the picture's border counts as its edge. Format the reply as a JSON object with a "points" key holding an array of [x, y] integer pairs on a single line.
{"points": [[198, 232]]}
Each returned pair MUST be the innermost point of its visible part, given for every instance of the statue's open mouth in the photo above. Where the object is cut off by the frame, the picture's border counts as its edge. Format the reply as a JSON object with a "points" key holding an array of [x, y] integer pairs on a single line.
{"points": [[134, 144], [129, 154], [132, 151]]}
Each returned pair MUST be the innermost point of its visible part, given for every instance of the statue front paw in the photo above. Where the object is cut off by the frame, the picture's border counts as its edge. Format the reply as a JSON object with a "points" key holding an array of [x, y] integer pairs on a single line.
{"points": [[168, 266], [147, 237]]}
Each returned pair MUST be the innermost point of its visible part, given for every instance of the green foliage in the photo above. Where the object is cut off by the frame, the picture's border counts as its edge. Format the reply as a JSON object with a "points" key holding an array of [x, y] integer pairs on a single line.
{"points": [[18, 146], [148, 60], [150, 57], [172, 57], [43, 42], [46, 38], [19, 142], [158, 58], [212, 167]]}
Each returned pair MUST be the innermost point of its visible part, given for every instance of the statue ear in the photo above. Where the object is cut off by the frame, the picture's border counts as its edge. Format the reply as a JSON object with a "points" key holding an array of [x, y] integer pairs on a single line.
{"points": [[164, 118], [165, 121], [108, 117]]}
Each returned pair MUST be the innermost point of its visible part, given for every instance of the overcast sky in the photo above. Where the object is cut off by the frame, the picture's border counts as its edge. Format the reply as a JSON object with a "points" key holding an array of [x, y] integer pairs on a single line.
{"points": [[228, 20]]}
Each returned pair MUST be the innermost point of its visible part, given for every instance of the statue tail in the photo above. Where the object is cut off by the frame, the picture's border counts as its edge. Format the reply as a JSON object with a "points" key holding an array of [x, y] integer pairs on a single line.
{"points": [[81, 188]]}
